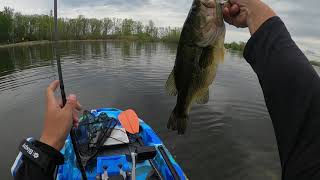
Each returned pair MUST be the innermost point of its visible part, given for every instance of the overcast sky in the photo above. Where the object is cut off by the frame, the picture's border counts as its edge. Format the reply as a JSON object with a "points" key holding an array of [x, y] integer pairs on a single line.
{"points": [[301, 17]]}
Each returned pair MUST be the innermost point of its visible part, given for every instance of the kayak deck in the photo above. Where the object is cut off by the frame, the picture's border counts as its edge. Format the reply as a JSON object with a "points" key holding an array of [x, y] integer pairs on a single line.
{"points": [[113, 161]]}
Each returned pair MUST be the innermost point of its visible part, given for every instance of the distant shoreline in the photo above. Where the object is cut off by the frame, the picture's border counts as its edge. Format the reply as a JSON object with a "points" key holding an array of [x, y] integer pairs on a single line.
{"points": [[235, 47], [27, 43], [32, 43]]}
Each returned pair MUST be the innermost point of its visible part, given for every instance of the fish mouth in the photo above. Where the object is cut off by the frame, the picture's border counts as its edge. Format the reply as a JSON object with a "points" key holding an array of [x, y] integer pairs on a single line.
{"points": [[206, 21], [214, 9], [219, 13]]}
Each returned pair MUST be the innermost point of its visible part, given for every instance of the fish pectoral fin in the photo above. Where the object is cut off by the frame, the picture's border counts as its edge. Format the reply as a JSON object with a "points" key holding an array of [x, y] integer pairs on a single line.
{"points": [[203, 99], [206, 57], [219, 49], [219, 54], [171, 85]]}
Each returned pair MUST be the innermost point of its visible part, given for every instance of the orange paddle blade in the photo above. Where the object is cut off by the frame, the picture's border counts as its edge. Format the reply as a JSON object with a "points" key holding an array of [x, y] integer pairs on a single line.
{"points": [[130, 121]]}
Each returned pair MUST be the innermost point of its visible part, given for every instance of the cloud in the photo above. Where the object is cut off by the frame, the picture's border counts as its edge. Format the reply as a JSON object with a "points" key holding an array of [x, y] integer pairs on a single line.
{"points": [[301, 19], [28, 6], [163, 13], [94, 3]]}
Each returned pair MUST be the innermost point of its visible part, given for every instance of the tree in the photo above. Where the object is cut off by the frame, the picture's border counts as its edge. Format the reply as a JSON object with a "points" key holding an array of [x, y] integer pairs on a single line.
{"points": [[4, 27], [107, 26], [170, 35], [96, 28], [116, 26], [150, 28], [139, 27], [6, 21], [16, 27], [127, 27], [20, 27], [236, 46]]}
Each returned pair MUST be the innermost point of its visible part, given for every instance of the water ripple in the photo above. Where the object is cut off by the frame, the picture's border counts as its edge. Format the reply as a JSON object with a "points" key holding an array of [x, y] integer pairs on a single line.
{"points": [[133, 75]]}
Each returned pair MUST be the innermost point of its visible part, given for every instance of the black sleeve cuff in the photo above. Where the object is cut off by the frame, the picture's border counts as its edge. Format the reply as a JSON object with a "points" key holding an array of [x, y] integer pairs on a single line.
{"points": [[52, 153]]}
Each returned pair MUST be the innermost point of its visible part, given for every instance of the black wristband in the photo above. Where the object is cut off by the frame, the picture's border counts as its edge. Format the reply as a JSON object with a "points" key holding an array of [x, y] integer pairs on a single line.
{"points": [[30, 151]]}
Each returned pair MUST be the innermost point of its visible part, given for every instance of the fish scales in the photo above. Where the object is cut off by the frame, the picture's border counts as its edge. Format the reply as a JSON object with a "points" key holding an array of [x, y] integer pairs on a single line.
{"points": [[200, 51]]}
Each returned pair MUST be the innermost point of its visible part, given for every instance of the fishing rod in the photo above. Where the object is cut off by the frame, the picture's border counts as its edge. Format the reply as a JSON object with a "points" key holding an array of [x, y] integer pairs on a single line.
{"points": [[63, 93]]}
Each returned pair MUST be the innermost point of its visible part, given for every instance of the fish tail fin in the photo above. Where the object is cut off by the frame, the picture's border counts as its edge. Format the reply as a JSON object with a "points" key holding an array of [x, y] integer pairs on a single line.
{"points": [[178, 122], [171, 85], [203, 99]]}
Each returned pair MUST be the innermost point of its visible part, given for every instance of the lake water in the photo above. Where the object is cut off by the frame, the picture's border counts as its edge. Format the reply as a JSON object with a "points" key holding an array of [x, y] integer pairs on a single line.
{"points": [[230, 138]]}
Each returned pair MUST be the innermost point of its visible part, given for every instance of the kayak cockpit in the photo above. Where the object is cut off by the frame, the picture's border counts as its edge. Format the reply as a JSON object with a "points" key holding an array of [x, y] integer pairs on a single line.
{"points": [[113, 159]]}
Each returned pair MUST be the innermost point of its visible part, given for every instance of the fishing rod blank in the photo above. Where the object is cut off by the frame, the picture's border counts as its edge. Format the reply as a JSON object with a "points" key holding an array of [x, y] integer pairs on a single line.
{"points": [[63, 94]]}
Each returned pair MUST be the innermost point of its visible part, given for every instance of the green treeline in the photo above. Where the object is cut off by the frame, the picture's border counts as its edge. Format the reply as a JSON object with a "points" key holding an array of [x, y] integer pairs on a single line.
{"points": [[6, 23], [236, 46], [15, 27]]}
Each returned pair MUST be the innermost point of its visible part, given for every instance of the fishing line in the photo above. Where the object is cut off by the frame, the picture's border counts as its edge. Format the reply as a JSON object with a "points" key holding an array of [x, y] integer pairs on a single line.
{"points": [[62, 90]]}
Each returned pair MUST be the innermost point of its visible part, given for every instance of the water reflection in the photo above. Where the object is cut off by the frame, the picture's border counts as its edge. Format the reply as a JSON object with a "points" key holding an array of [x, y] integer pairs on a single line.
{"points": [[6, 65], [238, 54], [232, 135], [25, 57]]}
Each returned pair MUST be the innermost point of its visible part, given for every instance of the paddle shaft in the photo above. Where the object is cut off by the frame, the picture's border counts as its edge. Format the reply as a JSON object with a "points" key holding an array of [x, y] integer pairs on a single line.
{"points": [[168, 162], [141, 143]]}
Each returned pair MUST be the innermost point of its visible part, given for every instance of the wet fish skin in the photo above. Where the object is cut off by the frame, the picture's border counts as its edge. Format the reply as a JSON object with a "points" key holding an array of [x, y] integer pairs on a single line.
{"points": [[200, 51]]}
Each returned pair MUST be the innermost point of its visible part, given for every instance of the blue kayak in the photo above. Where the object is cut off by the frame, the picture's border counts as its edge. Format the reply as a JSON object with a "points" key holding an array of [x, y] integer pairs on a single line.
{"points": [[113, 160]]}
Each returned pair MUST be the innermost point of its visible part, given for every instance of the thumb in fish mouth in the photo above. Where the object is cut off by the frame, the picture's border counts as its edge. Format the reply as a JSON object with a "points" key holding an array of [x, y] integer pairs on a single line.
{"points": [[178, 122]]}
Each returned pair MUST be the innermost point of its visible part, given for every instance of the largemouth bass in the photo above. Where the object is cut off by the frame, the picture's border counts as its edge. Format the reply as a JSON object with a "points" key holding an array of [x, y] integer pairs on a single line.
{"points": [[200, 51]]}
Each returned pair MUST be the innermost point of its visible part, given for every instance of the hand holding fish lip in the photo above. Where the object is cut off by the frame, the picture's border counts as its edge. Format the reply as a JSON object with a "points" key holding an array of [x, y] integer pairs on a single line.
{"points": [[247, 13], [230, 11]]}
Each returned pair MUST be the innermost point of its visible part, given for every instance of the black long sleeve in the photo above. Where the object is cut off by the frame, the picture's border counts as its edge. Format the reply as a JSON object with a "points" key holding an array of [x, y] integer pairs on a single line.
{"points": [[291, 89], [29, 170]]}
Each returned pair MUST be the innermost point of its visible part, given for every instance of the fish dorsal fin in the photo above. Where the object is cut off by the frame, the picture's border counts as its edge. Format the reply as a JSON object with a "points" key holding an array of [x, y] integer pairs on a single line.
{"points": [[171, 85], [203, 98]]}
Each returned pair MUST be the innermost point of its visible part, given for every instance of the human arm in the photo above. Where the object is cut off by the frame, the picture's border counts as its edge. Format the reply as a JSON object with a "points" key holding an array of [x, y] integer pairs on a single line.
{"points": [[57, 125], [291, 89], [290, 85]]}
